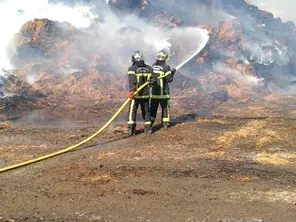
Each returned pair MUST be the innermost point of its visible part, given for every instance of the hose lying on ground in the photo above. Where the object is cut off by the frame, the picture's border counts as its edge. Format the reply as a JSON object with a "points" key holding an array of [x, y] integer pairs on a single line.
{"points": [[76, 145], [95, 134]]}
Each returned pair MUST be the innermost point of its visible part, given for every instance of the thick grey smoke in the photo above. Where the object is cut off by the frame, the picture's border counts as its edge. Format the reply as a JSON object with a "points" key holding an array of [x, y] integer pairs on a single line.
{"points": [[18, 12], [117, 38], [193, 12], [237, 76], [111, 37]]}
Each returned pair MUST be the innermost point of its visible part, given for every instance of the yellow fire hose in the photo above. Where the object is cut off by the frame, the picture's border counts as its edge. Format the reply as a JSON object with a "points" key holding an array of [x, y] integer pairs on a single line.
{"points": [[78, 144], [102, 129]]}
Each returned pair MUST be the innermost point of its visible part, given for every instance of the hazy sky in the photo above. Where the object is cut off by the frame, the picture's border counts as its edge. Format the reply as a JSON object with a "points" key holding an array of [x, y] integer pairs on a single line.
{"points": [[280, 8]]}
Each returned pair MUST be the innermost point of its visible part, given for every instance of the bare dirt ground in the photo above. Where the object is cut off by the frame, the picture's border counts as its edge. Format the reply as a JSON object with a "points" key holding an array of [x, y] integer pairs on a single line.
{"points": [[237, 163]]}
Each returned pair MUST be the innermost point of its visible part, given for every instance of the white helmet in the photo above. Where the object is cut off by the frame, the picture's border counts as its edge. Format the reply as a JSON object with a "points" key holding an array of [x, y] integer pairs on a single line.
{"points": [[162, 56], [137, 56]]}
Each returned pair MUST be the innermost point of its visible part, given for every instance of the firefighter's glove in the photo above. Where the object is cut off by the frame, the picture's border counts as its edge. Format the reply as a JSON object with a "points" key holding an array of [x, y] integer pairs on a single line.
{"points": [[173, 70], [131, 95]]}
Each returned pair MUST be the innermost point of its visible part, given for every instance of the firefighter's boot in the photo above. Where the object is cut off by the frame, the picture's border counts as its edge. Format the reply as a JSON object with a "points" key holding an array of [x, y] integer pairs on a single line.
{"points": [[131, 130]]}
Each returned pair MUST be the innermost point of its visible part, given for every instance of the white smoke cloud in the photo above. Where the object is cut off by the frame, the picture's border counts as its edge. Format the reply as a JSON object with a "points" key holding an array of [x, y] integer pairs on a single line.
{"points": [[283, 9], [237, 75], [115, 38], [14, 13], [191, 14]]}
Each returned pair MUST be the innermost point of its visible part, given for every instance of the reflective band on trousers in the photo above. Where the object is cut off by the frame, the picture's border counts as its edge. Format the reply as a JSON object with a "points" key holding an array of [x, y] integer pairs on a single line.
{"points": [[165, 120], [169, 111], [148, 123], [131, 112], [160, 97]]}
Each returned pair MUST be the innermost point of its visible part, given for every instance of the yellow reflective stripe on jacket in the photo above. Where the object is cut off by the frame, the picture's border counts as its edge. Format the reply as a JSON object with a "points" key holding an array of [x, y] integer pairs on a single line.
{"points": [[167, 73], [162, 75], [144, 74], [159, 72], [131, 72], [138, 80], [161, 83], [138, 75], [131, 122], [161, 86], [142, 97]]}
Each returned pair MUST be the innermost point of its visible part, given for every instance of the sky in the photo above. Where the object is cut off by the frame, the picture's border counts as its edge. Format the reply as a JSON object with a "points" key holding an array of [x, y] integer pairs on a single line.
{"points": [[280, 8]]}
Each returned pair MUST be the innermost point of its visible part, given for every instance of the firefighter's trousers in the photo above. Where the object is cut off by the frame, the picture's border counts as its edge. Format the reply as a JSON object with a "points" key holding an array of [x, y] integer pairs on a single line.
{"points": [[145, 109], [165, 110]]}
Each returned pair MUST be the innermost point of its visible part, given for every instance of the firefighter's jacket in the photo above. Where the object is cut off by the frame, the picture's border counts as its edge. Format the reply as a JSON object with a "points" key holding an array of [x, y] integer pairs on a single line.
{"points": [[138, 74], [160, 87]]}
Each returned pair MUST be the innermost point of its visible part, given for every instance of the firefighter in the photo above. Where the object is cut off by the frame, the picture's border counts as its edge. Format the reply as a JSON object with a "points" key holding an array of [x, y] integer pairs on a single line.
{"points": [[160, 93], [138, 74]]}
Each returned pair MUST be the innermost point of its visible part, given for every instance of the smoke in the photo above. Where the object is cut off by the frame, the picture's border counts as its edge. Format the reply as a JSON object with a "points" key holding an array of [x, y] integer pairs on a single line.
{"points": [[14, 13], [193, 12], [120, 37], [283, 9], [111, 37], [237, 76]]}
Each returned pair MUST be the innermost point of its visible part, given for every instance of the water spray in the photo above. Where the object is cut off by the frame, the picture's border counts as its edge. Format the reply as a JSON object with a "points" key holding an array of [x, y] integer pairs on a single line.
{"points": [[100, 130], [192, 38], [202, 45]]}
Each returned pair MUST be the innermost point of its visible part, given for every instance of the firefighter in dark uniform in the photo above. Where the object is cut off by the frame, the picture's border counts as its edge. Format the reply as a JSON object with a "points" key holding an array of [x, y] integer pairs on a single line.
{"points": [[160, 93], [138, 74]]}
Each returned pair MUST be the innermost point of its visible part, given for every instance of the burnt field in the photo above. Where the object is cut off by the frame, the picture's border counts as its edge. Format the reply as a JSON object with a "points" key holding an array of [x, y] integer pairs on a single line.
{"points": [[236, 162], [229, 155]]}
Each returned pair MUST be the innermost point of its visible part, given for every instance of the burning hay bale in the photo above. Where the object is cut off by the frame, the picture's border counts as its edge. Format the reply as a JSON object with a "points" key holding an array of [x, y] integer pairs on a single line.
{"points": [[16, 93], [42, 39], [241, 58]]}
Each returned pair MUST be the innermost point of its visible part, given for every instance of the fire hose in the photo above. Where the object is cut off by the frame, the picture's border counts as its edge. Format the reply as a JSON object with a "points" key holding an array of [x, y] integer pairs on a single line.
{"points": [[96, 133], [78, 144]]}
